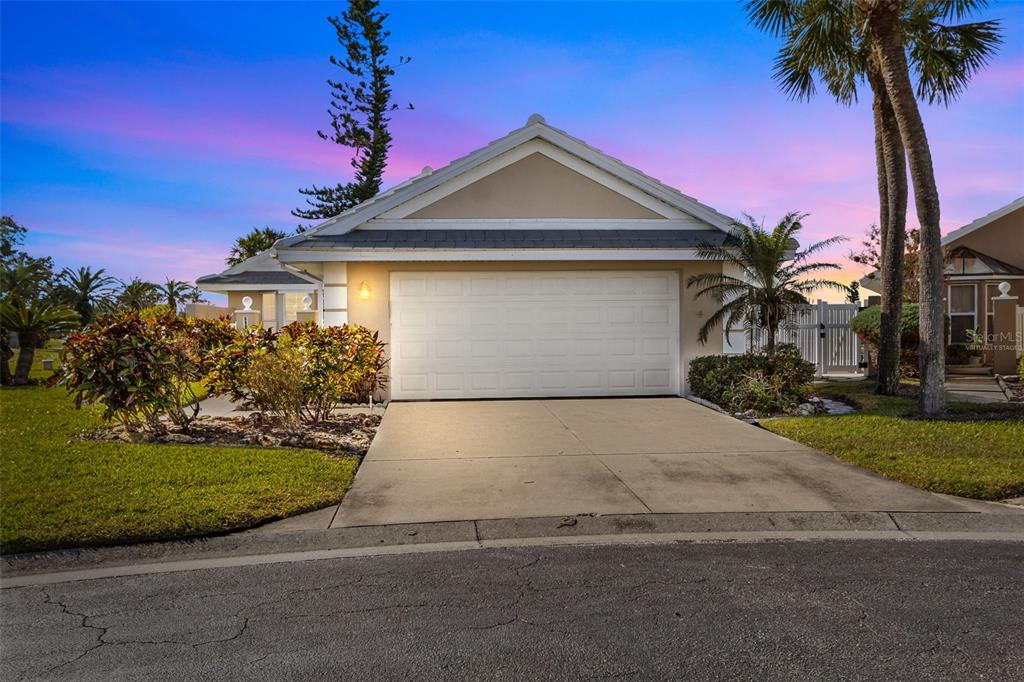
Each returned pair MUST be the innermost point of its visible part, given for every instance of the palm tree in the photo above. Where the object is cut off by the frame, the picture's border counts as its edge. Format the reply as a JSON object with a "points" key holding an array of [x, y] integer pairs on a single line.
{"points": [[85, 289], [26, 277], [772, 283], [34, 321], [886, 26], [825, 39], [138, 294], [256, 241], [176, 292]]}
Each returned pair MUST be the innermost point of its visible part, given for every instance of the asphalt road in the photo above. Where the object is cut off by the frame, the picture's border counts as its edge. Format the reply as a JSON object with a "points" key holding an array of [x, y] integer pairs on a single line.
{"points": [[769, 610]]}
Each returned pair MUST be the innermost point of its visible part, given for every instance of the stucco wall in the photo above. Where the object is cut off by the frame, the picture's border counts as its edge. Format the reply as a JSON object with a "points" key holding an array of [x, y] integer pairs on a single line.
{"points": [[535, 187], [1002, 239], [374, 312]]}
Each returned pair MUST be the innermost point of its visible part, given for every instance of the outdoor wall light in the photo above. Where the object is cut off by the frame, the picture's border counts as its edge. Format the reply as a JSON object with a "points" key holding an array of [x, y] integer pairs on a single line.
{"points": [[364, 290]]}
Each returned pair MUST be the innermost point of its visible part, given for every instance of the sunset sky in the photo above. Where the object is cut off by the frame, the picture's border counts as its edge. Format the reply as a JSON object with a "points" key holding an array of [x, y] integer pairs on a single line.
{"points": [[144, 137]]}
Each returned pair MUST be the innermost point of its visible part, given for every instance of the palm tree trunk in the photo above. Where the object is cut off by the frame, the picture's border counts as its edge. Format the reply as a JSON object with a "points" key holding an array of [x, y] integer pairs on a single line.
{"points": [[6, 354], [883, 21], [892, 188], [26, 354]]}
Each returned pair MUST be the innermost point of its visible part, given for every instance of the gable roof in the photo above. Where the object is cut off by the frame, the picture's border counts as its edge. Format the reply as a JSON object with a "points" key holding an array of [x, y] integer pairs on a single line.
{"points": [[261, 269], [536, 128], [983, 264], [983, 221]]}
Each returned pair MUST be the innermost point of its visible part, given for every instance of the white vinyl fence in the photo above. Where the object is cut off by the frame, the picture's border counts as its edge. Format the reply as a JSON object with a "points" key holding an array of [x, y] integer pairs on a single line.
{"points": [[822, 333]]}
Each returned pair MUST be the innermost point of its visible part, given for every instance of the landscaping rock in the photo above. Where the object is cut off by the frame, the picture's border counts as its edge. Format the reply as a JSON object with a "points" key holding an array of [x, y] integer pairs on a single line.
{"points": [[342, 434], [834, 407], [180, 438]]}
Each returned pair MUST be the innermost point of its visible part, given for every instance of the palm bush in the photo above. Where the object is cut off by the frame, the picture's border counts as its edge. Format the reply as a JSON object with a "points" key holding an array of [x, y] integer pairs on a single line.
{"points": [[34, 320], [773, 278]]}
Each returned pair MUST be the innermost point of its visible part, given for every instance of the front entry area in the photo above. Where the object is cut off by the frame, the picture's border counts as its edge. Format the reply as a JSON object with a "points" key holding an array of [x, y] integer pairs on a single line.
{"points": [[534, 334], [471, 460]]}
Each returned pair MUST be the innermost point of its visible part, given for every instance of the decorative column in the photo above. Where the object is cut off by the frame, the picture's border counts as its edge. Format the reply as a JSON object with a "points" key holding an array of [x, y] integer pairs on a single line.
{"points": [[247, 316], [307, 314], [1004, 340], [335, 299]]}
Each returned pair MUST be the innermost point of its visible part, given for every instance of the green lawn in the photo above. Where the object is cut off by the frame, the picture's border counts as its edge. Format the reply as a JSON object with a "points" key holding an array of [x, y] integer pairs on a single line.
{"points": [[965, 455], [60, 492]]}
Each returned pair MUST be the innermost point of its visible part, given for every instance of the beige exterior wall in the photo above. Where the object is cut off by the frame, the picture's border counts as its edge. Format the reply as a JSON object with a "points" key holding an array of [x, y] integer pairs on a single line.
{"points": [[535, 187], [205, 311], [235, 303], [375, 314], [1002, 239]]}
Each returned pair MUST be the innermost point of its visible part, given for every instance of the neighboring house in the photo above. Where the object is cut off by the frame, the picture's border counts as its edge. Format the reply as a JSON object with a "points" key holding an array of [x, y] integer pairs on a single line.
{"points": [[979, 256], [536, 266]]}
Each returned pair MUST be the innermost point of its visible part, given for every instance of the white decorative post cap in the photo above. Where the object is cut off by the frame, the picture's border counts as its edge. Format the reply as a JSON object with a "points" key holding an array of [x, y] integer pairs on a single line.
{"points": [[307, 301], [247, 304], [1004, 290]]}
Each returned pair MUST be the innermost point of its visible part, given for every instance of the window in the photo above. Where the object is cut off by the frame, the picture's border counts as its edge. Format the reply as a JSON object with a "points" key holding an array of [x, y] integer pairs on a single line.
{"points": [[963, 311], [991, 291]]}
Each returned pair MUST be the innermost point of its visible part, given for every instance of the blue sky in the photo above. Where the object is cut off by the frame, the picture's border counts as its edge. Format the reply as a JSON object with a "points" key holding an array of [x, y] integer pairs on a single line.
{"points": [[144, 137]]}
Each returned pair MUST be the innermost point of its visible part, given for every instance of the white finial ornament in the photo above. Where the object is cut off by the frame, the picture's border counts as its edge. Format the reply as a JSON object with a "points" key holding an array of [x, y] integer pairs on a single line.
{"points": [[535, 118], [247, 303], [307, 301]]}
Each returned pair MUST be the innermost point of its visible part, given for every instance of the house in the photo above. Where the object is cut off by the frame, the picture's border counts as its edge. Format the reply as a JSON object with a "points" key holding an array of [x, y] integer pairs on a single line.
{"points": [[979, 257], [535, 266]]}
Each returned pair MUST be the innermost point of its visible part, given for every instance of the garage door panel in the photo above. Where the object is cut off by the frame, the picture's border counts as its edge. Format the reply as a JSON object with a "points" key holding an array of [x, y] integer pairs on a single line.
{"points": [[655, 314], [465, 335]]}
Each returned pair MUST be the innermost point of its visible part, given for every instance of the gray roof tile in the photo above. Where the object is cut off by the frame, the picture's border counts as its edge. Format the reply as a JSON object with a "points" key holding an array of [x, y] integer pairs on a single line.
{"points": [[254, 277]]}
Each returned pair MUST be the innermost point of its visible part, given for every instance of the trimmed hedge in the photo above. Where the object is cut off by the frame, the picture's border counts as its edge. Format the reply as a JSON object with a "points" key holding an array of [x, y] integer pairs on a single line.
{"points": [[867, 326], [739, 383]]}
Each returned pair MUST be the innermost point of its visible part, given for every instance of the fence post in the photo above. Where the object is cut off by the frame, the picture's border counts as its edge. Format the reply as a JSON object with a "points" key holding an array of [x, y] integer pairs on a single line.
{"points": [[822, 317]]}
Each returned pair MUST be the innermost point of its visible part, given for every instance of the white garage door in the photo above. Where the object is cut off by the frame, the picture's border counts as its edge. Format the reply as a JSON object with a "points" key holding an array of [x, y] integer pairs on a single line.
{"points": [[526, 334]]}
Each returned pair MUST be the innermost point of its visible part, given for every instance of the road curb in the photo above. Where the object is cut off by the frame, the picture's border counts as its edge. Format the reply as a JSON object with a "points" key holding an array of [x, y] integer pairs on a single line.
{"points": [[572, 541], [259, 546]]}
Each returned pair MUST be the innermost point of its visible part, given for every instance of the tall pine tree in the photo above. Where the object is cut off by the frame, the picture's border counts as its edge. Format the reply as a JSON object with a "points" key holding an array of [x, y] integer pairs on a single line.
{"points": [[359, 110]]}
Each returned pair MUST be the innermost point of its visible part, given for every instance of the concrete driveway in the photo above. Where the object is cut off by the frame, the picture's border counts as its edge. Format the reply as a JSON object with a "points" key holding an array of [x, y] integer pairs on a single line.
{"points": [[450, 461]]}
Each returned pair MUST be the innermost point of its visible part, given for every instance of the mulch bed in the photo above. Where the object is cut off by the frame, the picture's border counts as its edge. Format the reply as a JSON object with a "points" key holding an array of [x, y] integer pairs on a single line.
{"points": [[341, 435]]}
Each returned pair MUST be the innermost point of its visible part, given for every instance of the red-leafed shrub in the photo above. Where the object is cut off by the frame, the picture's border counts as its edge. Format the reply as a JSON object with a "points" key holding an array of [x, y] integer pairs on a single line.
{"points": [[141, 365], [335, 365]]}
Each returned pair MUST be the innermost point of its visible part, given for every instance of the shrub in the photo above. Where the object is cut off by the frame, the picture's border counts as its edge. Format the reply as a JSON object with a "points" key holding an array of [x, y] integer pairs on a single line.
{"points": [[231, 361], [867, 326], [958, 354], [1020, 368], [753, 381], [274, 379], [343, 364], [339, 365], [139, 366]]}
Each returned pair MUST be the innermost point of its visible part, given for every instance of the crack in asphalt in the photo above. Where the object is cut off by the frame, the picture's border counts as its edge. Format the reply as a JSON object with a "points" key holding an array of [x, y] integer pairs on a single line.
{"points": [[102, 632], [83, 622]]}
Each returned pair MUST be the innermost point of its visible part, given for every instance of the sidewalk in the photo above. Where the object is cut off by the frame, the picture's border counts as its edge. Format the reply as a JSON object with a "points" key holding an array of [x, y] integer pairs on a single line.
{"points": [[974, 389]]}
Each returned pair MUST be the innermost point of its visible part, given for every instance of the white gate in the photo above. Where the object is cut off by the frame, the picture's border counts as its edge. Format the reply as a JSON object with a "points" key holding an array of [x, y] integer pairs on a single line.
{"points": [[822, 333]]}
